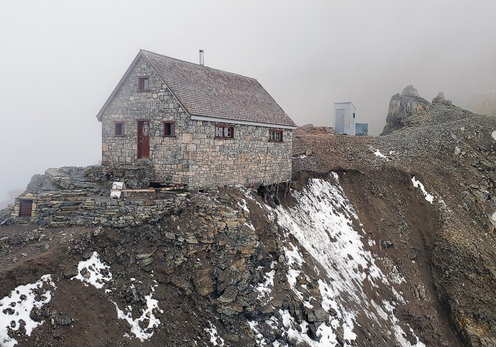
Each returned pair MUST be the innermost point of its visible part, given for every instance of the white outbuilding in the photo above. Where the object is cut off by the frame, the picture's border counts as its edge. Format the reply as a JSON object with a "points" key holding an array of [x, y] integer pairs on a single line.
{"points": [[345, 115]]}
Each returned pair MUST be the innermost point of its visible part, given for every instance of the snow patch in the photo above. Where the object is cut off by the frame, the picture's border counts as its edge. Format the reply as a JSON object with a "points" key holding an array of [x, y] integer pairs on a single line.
{"points": [[215, 339], [141, 333], [258, 336], [97, 272], [322, 221], [377, 153], [494, 135], [418, 184], [399, 333], [245, 208], [15, 308], [493, 217], [299, 332], [265, 288], [243, 205], [294, 259]]}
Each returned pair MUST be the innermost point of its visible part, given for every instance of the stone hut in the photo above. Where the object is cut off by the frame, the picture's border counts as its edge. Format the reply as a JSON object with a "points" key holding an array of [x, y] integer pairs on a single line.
{"points": [[197, 125]]}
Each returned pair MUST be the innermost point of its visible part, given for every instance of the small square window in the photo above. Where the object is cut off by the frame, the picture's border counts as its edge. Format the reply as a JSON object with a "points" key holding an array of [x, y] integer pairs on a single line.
{"points": [[275, 135], [224, 131], [143, 84], [169, 129], [119, 129]]}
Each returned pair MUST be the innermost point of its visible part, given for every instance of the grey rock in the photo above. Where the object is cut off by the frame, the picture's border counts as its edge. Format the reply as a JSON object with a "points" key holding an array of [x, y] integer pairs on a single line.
{"points": [[62, 320]]}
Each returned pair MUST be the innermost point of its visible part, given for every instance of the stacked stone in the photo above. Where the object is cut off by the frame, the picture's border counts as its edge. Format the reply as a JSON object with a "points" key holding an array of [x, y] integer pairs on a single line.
{"points": [[65, 208], [193, 156]]}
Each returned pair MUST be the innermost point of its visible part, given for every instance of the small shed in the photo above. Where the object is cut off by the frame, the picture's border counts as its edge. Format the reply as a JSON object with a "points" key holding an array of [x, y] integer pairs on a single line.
{"points": [[345, 115]]}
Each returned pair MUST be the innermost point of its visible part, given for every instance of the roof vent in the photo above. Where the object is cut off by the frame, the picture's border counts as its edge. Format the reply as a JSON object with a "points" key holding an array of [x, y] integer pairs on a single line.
{"points": [[202, 61]]}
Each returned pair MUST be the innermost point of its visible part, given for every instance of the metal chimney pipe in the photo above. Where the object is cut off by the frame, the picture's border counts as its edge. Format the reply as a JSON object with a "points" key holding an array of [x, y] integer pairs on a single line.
{"points": [[202, 61]]}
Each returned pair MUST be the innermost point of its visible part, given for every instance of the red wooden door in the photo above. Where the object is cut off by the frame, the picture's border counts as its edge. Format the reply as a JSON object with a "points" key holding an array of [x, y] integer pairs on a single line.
{"points": [[26, 208], [143, 139]]}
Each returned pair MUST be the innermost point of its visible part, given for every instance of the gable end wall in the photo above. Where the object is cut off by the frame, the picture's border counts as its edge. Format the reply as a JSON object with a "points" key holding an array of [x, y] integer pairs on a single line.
{"points": [[157, 105]]}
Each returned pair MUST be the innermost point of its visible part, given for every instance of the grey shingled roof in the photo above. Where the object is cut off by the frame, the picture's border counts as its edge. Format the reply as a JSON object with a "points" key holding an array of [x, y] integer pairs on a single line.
{"points": [[209, 92]]}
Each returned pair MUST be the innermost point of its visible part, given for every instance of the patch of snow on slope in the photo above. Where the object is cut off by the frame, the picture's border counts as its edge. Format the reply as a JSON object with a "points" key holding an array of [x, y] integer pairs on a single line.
{"points": [[322, 222], [141, 333], [96, 273], [15, 309], [243, 205], [294, 259], [418, 184], [494, 135], [265, 288], [215, 339], [245, 208], [377, 153], [299, 332], [399, 334], [258, 336]]}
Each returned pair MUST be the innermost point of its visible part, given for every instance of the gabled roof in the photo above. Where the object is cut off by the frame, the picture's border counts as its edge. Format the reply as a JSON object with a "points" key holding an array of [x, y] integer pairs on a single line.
{"points": [[212, 93]]}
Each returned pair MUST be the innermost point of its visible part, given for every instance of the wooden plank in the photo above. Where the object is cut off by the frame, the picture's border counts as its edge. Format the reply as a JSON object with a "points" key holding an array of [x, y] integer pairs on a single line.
{"points": [[149, 190]]}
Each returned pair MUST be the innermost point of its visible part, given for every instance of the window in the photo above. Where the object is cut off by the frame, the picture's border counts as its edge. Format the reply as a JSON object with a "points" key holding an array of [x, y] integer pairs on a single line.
{"points": [[143, 84], [169, 129], [119, 129], [275, 135], [353, 114], [224, 132]]}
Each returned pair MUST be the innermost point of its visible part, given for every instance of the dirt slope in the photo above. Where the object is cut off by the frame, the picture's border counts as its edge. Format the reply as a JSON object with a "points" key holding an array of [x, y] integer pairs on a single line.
{"points": [[454, 237]]}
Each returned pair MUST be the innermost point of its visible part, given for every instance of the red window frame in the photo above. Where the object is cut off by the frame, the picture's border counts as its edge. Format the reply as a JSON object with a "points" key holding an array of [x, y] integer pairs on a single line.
{"points": [[169, 129], [276, 135], [143, 84], [119, 129], [223, 131]]}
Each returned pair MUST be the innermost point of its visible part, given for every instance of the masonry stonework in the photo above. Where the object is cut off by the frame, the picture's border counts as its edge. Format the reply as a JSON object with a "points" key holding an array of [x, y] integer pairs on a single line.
{"points": [[80, 207], [193, 156]]}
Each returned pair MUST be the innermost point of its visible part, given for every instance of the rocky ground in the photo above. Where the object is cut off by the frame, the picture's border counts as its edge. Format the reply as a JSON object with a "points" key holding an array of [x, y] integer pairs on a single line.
{"points": [[206, 264], [453, 153]]}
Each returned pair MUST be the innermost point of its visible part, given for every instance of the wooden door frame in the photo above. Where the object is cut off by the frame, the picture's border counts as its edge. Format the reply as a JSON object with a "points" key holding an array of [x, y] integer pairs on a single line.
{"points": [[26, 202], [138, 139]]}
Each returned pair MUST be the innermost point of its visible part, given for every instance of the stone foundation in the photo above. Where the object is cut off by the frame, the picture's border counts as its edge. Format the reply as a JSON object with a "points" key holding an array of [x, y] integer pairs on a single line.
{"points": [[66, 208]]}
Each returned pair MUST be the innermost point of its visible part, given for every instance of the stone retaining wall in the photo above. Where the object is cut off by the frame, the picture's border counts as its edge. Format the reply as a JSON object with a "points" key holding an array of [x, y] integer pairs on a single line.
{"points": [[65, 208]]}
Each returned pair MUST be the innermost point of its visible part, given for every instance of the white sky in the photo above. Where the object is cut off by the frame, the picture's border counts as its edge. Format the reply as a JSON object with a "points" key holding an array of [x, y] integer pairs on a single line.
{"points": [[61, 60]]}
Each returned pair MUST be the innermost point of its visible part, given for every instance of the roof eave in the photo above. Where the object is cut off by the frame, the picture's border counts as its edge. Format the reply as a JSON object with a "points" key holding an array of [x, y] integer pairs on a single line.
{"points": [[242, 122]]}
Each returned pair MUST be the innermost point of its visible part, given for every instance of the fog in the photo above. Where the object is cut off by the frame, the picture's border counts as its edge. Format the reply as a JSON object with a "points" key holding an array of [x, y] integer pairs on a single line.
{"points": [[61, 60]]}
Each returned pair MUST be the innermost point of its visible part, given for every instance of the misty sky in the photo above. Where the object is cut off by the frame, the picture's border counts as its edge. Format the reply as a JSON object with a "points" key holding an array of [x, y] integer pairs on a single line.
{"points": [[61, 60]]}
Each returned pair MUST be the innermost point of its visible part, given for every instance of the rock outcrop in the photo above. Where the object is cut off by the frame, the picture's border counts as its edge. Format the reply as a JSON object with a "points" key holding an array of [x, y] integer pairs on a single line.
{"points": [[409, 109]]}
